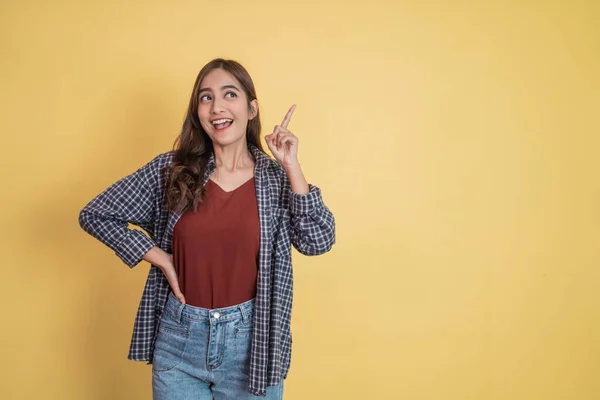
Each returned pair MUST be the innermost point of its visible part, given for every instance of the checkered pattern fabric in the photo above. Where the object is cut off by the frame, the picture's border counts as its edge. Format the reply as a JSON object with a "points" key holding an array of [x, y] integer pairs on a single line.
{"points": [[286, 219]]}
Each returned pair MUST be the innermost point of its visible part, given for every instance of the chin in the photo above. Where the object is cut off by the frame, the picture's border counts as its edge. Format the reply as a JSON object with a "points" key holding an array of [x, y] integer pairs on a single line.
{"points": [[225, 139]]}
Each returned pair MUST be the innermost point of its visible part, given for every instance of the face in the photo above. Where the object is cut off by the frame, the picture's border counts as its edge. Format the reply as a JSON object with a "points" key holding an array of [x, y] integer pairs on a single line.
{"points": [[223, 108]]}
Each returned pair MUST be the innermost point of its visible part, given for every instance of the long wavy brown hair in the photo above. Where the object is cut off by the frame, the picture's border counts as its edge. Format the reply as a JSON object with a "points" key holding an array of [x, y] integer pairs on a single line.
{"points": [[193, 147]]}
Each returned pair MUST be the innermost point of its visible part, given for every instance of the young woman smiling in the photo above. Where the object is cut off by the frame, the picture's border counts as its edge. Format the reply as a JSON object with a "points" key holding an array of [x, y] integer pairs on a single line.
{"points": [[222, 218]]}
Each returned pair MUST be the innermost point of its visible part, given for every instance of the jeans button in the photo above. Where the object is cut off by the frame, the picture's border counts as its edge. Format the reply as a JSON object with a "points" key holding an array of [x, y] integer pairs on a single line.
{"points": [[216, 315]]}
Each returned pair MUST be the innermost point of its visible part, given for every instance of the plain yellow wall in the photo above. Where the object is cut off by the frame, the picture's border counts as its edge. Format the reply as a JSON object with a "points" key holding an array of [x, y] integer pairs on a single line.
{"points": [[455, 141]]}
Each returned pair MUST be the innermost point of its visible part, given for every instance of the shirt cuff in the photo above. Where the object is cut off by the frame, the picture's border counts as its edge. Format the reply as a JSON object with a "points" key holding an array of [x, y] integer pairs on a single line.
{"points": [[133, 247], [306, 203]]}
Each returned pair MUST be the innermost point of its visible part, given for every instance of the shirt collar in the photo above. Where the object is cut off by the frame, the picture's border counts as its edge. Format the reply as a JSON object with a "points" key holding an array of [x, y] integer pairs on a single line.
{"points": [[261, 159]]}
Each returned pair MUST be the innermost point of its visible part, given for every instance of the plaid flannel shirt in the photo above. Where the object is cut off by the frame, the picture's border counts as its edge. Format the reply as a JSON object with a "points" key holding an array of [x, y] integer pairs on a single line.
{"points": [[286, 219]]}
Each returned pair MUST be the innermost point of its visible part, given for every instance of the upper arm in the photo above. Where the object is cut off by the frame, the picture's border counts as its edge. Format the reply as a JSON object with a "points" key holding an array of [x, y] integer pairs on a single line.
{"points": [[129, 200]]}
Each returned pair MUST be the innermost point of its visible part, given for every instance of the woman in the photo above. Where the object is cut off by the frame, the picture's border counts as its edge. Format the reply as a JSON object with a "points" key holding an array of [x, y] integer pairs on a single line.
{"points": [[222, 217]]}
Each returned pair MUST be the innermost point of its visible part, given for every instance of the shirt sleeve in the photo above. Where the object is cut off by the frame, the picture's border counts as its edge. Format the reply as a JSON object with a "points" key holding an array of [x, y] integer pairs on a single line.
{"points": [[127, 201], [312, 223]]}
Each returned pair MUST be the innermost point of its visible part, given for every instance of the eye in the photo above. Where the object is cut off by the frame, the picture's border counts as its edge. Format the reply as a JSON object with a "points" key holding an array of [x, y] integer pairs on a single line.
{"points": [[230, 94], [204, 98]]}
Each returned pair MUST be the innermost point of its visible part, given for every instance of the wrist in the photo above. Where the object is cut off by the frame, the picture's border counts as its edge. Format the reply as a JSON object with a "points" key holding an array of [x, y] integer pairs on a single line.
{"points": [[292, 168], [160, 258]]}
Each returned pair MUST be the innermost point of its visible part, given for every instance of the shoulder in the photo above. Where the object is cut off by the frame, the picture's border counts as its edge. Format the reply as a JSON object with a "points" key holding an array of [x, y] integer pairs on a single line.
{"points": [[158, 162], [275, 174], [272, 167], [152, 171], [266, 163], [162, 159]]}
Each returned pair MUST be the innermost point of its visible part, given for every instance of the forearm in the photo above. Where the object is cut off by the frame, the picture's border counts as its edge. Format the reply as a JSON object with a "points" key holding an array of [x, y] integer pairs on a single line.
{"points": [[157, 256], [298, 182]]}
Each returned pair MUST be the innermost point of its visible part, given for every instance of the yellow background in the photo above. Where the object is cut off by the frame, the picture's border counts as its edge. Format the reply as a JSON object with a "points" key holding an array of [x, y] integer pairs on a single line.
{"points": [[456, 143]]}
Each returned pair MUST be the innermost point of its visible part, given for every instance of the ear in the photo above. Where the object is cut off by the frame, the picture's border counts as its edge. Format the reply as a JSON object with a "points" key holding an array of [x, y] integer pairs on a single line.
{"points": [[253, 109]]}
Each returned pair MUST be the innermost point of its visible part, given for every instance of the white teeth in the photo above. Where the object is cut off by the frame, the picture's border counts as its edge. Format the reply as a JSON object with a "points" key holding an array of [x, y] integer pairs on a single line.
{"points": [[221, 121]]}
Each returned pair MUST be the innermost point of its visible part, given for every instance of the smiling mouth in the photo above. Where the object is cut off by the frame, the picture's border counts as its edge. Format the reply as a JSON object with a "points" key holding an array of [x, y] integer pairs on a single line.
{"points": [[222, 123]]}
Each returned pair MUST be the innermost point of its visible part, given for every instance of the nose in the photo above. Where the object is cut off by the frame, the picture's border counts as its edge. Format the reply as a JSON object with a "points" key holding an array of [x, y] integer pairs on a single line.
{"points": [[217, 106]]}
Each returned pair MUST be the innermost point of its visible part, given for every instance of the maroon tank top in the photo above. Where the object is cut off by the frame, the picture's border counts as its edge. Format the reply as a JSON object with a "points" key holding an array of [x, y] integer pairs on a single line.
{"points": [[215, 249]]}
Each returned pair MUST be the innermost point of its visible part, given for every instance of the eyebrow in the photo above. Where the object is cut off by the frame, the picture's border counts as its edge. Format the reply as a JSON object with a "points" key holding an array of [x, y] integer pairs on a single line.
{"points": [[222, 88]]}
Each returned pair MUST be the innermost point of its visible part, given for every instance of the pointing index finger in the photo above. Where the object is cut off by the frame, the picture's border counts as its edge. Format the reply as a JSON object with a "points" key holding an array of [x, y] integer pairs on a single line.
{"points": [[288, 117]]}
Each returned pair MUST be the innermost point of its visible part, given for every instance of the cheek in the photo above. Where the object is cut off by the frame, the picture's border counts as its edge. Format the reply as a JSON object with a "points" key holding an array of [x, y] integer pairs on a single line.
{"points": [[203, 116]]}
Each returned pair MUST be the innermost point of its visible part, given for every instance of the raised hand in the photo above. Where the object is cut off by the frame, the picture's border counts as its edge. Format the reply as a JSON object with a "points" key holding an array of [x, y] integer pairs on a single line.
{"points": [[282, 143]]}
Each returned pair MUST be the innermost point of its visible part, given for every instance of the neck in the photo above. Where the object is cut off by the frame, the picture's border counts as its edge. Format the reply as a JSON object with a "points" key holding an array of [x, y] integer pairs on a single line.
{"points": [[233, 157]]}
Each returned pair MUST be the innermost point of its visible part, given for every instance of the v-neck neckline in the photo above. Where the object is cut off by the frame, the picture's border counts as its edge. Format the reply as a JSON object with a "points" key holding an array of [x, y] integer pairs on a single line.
{"points": [[233, 190]]}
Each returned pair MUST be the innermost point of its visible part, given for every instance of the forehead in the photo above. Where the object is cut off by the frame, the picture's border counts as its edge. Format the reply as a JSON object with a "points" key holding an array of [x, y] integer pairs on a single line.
{"points": [[217, 78]]}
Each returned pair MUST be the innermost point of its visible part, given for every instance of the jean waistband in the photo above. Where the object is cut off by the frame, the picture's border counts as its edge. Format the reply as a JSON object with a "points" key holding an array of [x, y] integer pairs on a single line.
{"points": [[179, 310]]}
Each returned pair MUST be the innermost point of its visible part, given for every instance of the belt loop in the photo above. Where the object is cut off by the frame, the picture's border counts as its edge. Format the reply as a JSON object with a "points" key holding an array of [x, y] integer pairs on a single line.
{"points": [[179, 311], [244, 315]]}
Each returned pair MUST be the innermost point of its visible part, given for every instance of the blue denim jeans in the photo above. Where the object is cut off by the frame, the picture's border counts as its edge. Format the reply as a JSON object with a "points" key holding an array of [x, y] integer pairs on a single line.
{"points": [[204, 354]]}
